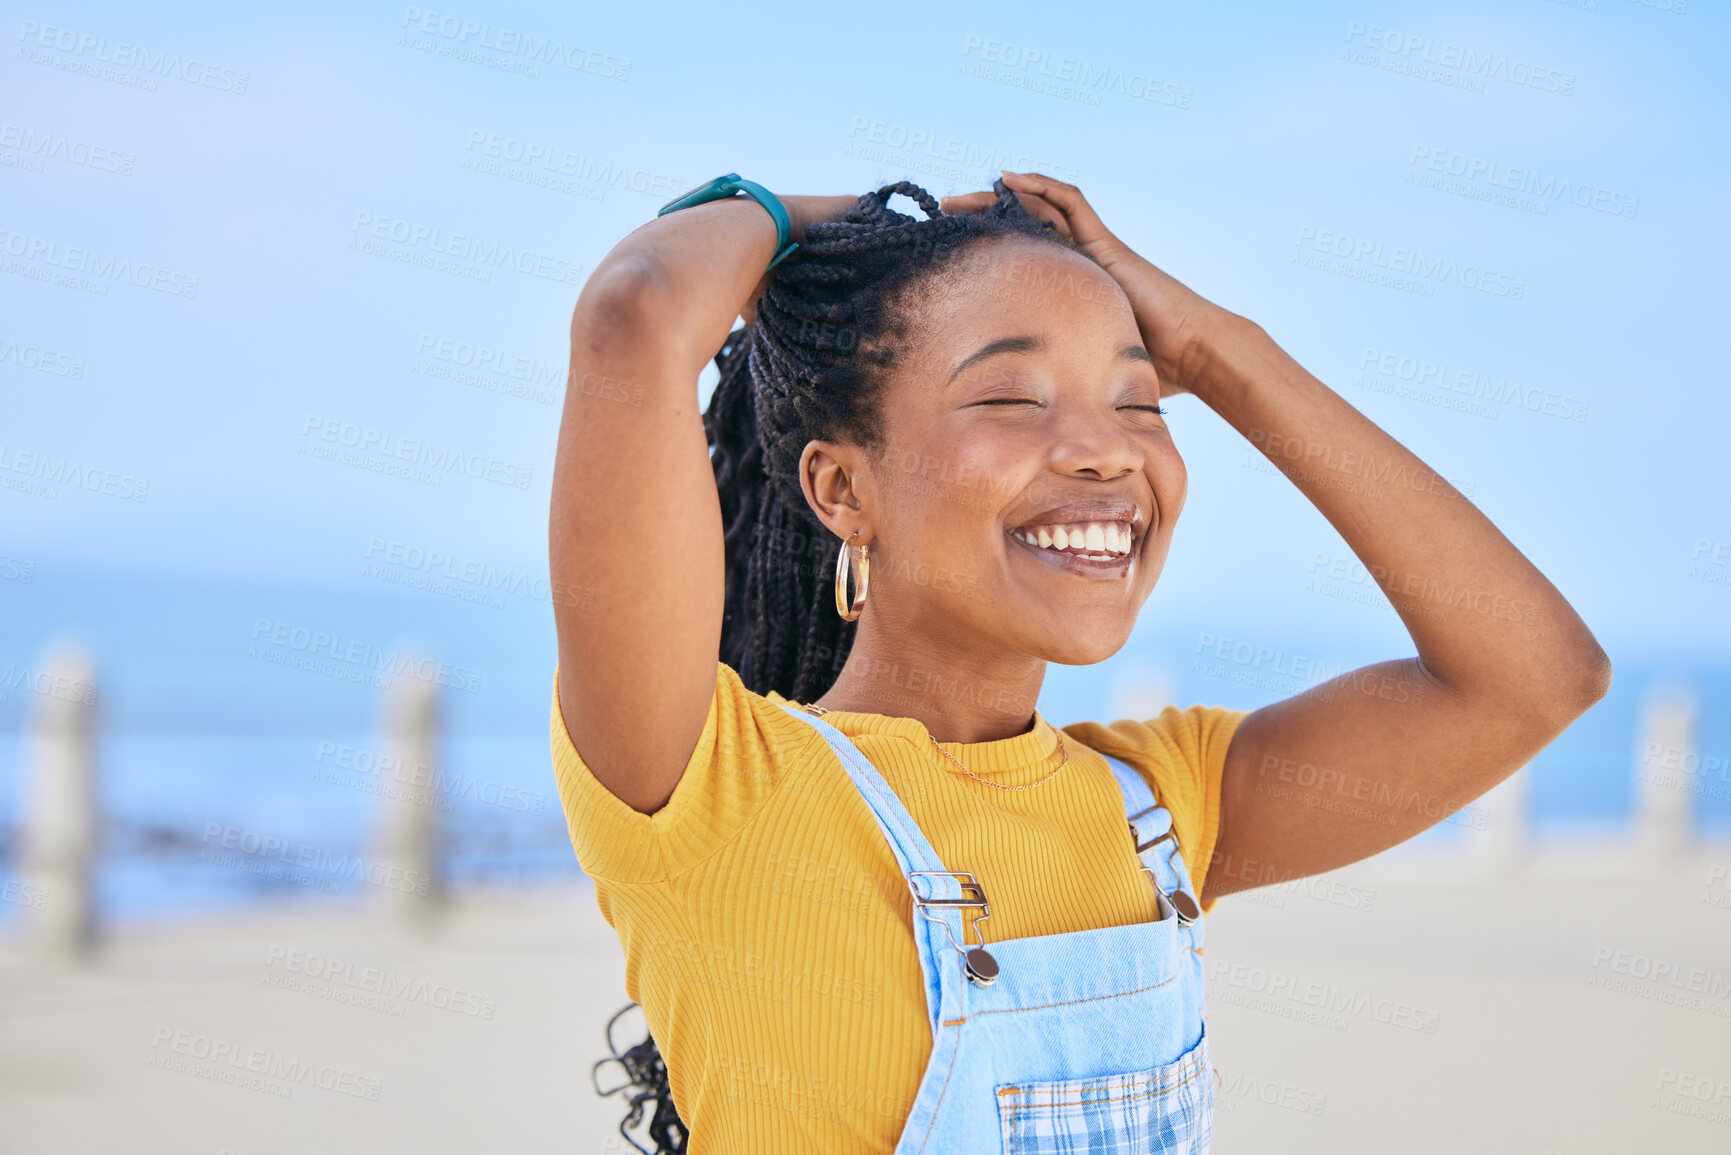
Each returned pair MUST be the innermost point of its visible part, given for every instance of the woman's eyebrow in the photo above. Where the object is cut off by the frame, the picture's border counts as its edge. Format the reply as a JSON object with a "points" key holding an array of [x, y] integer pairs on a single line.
{"points": [[1002, 345], [1035, 345]]}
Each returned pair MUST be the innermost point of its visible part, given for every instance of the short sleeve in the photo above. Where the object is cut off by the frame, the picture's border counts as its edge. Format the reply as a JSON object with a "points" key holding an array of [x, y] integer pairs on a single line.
{"points": [[1182, 753], [744, 752]]}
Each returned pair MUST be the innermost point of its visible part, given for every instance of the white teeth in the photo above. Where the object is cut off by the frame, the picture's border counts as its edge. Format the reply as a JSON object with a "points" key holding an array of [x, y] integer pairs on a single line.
{"points": [[1101, 540]]}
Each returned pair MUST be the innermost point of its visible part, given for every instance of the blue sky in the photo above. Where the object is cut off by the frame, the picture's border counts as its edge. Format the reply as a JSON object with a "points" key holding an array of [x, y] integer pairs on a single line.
{"points": [[1239, 148]]}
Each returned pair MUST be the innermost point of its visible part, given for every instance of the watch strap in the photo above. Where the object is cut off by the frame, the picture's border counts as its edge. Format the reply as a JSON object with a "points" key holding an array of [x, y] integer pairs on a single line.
{"points": [[725, 187]]}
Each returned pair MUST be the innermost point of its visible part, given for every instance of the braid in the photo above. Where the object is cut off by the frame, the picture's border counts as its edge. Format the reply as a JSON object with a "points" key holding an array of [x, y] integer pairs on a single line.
{"points": [[809, 368]]}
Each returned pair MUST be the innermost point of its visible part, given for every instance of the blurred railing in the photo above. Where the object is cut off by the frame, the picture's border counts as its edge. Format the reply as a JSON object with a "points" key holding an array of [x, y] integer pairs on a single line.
{"points": [[59, 840]]}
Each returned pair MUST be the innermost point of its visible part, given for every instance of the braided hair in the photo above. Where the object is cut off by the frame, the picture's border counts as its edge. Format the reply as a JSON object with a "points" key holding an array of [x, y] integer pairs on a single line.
{"points": [[827, 328], [809, 368]]}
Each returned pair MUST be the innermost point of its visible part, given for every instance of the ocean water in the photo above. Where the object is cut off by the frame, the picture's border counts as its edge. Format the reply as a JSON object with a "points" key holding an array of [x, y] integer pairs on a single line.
{"points": [[232, 777]]}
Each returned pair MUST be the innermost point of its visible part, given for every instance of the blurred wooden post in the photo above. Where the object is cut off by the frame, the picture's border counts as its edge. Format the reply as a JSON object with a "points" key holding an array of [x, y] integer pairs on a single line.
{"points": [[410, 833], [1667, 769], [58, 841]]}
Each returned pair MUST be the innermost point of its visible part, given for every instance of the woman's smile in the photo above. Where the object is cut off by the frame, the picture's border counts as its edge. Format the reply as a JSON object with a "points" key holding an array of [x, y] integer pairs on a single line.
{"points": [[1097, 566], [1096, 539]]}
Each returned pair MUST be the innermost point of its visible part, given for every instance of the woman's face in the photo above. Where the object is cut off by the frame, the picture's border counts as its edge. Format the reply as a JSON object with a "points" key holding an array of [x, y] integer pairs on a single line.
{"points": [[1025, 493]]}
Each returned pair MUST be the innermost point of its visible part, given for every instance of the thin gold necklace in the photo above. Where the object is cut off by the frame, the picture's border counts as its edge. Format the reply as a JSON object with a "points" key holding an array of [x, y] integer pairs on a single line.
{"points": [[1000, 785], [821, 710]]}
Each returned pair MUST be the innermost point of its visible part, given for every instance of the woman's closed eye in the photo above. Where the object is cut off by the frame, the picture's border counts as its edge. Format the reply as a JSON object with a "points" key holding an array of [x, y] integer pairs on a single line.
{"points": [[1161, 409]]}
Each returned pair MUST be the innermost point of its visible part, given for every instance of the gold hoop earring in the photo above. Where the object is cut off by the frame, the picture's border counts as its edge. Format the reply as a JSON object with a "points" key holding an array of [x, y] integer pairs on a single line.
{"points": [[850, 611]]}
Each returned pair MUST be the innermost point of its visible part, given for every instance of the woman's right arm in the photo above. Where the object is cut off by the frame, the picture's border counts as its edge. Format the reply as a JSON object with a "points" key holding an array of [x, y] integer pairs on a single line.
{"points": [[635, 536]]}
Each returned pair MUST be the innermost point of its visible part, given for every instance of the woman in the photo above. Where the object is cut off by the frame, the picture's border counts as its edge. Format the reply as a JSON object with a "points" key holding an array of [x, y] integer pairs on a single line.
{"points": [[970, 402]]}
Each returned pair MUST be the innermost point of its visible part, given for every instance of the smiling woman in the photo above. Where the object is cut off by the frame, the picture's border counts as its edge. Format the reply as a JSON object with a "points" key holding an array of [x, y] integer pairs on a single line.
{"points": [[869, 898]]}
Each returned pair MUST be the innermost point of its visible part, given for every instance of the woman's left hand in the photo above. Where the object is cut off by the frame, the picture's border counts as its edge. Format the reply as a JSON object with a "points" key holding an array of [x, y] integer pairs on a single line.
{"points": [[1173, 319]]}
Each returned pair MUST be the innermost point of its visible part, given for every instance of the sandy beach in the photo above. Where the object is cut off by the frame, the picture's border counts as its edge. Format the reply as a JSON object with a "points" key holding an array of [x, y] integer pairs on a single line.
{"points": [[1581, 1003]]}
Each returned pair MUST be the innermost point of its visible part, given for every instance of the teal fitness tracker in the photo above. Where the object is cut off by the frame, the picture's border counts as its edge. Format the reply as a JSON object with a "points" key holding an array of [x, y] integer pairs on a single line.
{"points": [[722, 188]]}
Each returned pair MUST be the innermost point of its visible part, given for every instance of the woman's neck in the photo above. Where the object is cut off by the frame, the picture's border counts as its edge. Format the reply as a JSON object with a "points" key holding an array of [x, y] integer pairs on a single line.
{"points": [[958, 695]]}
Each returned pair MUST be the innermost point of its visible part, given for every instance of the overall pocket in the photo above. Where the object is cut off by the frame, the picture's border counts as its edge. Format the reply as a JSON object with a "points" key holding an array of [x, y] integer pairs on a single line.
{"points": [[1167, 1109]]}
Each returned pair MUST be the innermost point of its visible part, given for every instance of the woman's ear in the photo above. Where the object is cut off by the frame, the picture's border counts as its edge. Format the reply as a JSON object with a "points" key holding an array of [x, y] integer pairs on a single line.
{"points": [[827, 473]]}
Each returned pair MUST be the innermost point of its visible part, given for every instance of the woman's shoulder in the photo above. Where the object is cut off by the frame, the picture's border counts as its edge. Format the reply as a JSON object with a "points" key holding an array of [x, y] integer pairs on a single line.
{"points": [[1181, 752], [1177, 739], [749, 745]]}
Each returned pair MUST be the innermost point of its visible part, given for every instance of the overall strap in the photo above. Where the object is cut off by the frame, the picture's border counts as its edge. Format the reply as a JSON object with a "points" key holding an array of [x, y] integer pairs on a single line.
{"points": [[919, 863], [1157, 840]]}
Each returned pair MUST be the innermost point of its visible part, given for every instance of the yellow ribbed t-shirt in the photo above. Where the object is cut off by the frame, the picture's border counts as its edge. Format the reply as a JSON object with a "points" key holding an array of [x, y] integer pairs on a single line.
{"points": [[768, 933]]}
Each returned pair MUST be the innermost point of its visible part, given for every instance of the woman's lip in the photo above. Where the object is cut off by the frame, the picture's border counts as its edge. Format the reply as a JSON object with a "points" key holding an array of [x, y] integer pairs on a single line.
{"points": [[1080, 566]]}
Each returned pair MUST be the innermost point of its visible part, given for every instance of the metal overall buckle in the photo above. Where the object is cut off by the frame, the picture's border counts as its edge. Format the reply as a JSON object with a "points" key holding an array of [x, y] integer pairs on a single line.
{"points": [[1178, 902], [977, 962]]}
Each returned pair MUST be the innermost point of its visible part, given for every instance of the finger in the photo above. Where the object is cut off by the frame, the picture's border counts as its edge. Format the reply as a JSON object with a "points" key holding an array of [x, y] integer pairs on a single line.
{"points": [[967, 202], [1085, 223], [1044, 210]]}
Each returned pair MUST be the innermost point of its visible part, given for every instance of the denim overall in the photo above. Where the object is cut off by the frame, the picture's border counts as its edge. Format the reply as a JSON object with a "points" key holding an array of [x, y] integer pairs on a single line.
{"points": [[1091, 1041]]}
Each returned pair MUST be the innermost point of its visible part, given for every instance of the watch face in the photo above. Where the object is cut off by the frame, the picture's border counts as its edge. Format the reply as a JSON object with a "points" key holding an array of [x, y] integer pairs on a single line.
{"points": [[708, 190], [689, 193]]}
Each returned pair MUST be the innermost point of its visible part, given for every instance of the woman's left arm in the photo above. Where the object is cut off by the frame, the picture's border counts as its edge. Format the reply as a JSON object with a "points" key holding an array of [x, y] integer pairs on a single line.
{"points": [[1364, 761]]}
